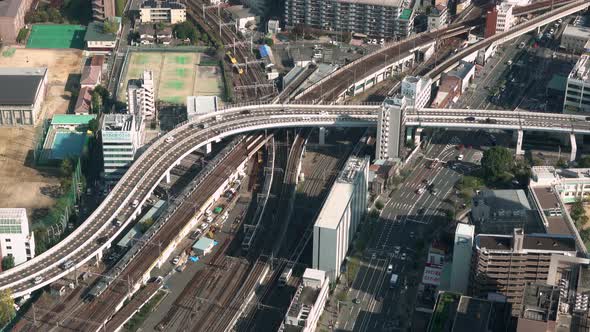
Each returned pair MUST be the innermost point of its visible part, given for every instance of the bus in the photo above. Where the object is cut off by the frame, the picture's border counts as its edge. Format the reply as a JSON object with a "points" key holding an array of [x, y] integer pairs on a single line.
{"points": [[393, 280]]}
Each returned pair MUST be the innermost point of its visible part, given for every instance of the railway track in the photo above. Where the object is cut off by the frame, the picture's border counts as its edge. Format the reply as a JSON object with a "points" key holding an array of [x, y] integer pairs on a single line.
{"points": [[102, 308], [253, 75]]}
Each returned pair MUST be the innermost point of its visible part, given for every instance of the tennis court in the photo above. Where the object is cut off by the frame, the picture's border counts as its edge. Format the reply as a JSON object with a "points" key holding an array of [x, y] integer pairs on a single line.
{"points": [[57, 36]]}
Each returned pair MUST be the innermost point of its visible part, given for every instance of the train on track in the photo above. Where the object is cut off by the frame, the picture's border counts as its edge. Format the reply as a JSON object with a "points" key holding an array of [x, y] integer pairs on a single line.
{"points": [[234, 62]]}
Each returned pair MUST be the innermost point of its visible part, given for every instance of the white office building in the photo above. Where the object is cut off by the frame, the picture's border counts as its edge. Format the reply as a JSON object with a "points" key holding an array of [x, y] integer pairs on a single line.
{"points": [[462, 251], [390, 128], [122, 135], [16, 239], [417, 91], [342, 212], [505, 19], [308, 303], [141, 97], [577, 91]]}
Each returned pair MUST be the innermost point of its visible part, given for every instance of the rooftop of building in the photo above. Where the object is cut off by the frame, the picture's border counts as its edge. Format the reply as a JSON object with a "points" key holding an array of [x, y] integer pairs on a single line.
{"points": [[19, 86], [472, 314], [581, 70], [162, 4], [9, 8], [307, 293], [95, 32], [146, 29], [406, 14], [504, 7], [91, 75], [196, 105], [546, 242], [13, 213], [463, 69], [97, 60], [384, 3], [204, 243], [240, 11], [83, 103], [576, 31], [340, 195], [503, 199], [117, 122], [72, 119], [540, 302]]}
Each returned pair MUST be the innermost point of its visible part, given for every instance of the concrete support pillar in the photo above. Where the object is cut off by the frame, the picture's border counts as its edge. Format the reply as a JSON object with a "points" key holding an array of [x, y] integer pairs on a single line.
{"points": [[574, 147], [168, 177], [208, 148], [519, 134], [322, 136], [98, 257], [418, 136]]}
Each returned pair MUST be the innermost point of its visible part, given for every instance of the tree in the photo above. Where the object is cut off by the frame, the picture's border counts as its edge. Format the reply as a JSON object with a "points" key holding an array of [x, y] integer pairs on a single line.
{"points": [[96, 103], [7, 262], [93, 125], [379, 205], [160, 26], [66, 168], [496, 163], [561, 163], [110, 26], [7, 310], [269, 41], [584, 162], [185, 30]]}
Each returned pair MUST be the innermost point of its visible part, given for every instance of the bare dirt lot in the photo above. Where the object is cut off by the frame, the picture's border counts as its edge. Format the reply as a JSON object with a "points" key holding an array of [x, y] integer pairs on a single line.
{"points": [[20, 184]]}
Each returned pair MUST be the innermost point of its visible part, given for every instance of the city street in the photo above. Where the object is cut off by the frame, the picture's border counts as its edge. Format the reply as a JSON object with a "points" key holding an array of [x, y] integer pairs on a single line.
{"points": [[407, 217]]}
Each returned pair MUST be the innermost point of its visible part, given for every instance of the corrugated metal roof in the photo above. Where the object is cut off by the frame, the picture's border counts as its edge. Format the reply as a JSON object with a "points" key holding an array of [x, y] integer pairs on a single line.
{"points": [[203, 244], [265, 51], [72, 119]]}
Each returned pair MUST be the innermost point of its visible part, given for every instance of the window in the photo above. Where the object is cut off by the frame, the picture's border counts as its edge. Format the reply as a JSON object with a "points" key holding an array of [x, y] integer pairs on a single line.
{"points": [[8, 248], [7, 240]]}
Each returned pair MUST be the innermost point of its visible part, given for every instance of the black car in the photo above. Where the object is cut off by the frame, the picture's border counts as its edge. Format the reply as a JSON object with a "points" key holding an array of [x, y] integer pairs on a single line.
{"points": [[492, 121], [470, 118]]}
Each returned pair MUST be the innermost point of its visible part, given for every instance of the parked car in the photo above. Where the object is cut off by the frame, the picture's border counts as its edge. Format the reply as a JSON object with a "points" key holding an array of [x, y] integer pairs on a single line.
{"points": [[38, 280]]}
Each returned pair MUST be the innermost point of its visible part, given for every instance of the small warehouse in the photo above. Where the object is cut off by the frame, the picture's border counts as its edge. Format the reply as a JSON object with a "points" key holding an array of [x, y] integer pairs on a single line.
{"points": [[203, 246]]}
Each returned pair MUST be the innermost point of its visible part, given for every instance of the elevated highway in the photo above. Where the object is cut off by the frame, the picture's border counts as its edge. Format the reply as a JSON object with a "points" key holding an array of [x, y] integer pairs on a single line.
{"points": [[157, 161], [519, 30]]}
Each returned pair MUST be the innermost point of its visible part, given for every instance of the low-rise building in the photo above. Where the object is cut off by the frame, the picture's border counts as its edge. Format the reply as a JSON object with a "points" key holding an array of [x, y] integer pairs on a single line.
{"points": [[165, 11], [540, 306], [16, 238], [200, 105], [342, 212], [308, 303], [91, 76], [103, 9], [84, 101], [465, 71], [98, 40], [577, 92], [22, 92], [12, 18], [164, 36], [576, 35], [203, 246], [438, 17], [245, 18], [448, 92], [147, 34], [273, 27]]}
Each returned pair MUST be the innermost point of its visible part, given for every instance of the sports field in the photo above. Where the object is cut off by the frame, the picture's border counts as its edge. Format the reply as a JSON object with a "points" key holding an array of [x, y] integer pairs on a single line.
{"points": [[176, 75], [57, 36]]}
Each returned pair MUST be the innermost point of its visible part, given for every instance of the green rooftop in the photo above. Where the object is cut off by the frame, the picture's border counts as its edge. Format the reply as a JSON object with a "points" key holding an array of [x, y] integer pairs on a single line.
{"points": [[95, 32], [557, 83], [72, 119], [406, 14]]}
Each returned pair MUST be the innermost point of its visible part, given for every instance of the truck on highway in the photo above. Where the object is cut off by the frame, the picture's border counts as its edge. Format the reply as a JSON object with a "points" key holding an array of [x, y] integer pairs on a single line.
{"points": [[393, 280]]}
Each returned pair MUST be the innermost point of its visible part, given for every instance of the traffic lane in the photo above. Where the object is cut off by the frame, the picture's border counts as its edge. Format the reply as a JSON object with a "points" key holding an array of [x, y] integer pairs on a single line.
{"points": [[371, 304]]}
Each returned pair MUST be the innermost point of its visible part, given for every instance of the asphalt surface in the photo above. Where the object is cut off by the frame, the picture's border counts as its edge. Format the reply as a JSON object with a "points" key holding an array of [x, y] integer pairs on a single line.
{"points": [[406, 217]]}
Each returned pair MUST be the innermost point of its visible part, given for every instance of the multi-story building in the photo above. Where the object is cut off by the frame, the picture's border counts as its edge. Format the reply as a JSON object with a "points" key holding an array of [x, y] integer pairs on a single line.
{"points": [[504, 264], [167, 11], [462, 251], [308, 303], [122, 135], [103, 9], [390, 124], [577, 91], [576, 35], [375, 18], [417, 91], [141, 97], [438, 17], [22, 91], [98, 40], [16, 239], [505, 19], [12, 18], [342, 212]]}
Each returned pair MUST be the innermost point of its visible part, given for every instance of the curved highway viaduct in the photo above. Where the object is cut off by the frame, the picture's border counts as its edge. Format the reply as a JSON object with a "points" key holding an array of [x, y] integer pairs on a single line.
{"points": [[153, 165]]}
